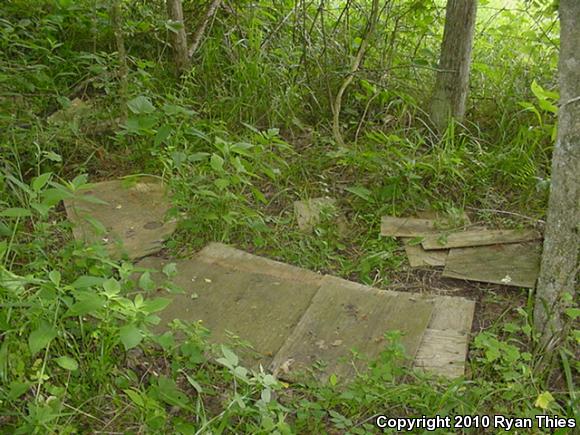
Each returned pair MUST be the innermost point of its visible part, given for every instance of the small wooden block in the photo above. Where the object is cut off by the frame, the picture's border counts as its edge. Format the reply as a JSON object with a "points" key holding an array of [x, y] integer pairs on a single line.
{"points": [[515, 264], [419, 257], [445, 342], [478, 238]]}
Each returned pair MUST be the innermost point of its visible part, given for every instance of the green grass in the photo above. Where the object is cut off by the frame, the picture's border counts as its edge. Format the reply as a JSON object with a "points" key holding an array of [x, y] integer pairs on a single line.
{"points": [[238, 140]]}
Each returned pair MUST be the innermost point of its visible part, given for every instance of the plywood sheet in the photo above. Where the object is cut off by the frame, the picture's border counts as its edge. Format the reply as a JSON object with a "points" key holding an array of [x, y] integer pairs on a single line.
{"points": [[478, 238], [345, 316], [515, 264], [225, 255], [445, 343], [257, 307], [131, 218]]}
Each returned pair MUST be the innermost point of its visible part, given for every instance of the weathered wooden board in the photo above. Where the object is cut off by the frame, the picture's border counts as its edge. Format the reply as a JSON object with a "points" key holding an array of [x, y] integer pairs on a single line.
{"points": [[225, 255], [257, 307], [309, 212], [515, 264], [343, 316], [445, 342], [133, 216], [407, 227], [295, 318], [466, 239], [419, 257], [427, 222]]}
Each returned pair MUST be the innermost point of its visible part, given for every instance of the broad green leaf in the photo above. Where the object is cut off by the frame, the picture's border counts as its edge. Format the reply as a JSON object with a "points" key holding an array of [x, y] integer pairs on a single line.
{"points": [[170, 393], [112, 286], [88, 303], [135, 397], [146, 283], [53, 196], [54, 277], [222, 183], [130, 336], [361, 192], [17, 389], [16, 212], [140, 105], [39, 182], [154, 305], [170, 270], [197, 157], [544, 400], [231, 357], [67, 363], [86, 281], [42, 209], [162, 134], [41, 337], [217, 163]]}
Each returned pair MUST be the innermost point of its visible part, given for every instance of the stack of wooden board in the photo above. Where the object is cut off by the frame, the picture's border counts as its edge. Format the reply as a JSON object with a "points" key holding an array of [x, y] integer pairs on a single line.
{"points": [[299, 323], [509, 257]]}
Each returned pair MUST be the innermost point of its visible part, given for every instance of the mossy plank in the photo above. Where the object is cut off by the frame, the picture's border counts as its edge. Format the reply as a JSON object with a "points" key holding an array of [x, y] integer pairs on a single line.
{"points": [[132, 216], [406, 227], [472, 238], [515, 264]]}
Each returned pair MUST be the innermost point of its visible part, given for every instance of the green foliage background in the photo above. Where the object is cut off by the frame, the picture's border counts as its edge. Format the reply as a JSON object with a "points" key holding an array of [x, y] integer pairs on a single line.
{"points": [[238, 138]]}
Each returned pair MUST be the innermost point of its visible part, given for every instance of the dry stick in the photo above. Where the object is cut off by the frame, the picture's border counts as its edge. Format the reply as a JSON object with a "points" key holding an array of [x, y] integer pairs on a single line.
{"points": [[201, 29], [276, 29], [354, 68], [116, 20]]}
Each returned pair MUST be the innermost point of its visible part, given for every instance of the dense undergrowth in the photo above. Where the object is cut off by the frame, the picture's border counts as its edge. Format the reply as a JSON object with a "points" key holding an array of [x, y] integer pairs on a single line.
{"points": [[238, 139]]}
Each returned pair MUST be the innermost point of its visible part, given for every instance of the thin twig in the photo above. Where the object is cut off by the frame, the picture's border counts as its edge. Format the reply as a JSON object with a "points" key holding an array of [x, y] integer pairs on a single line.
{"points": [[491, 210], [201, 29]]}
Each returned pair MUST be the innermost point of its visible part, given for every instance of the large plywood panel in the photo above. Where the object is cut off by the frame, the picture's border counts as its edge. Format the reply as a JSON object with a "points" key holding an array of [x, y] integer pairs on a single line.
{"points": [[257, 307], [345, 316]]}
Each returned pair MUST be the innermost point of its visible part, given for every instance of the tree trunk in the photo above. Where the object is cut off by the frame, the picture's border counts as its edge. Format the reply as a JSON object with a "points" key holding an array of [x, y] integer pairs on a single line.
{"points": [[559, 267], [452, 83], [117, 22], [179, 37]]}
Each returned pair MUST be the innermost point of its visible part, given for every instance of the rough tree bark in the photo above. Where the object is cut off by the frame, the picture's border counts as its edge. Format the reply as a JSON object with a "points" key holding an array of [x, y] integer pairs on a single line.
{"points": [[559, 269], [452, 82], [179, 37], [117, 23]]}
